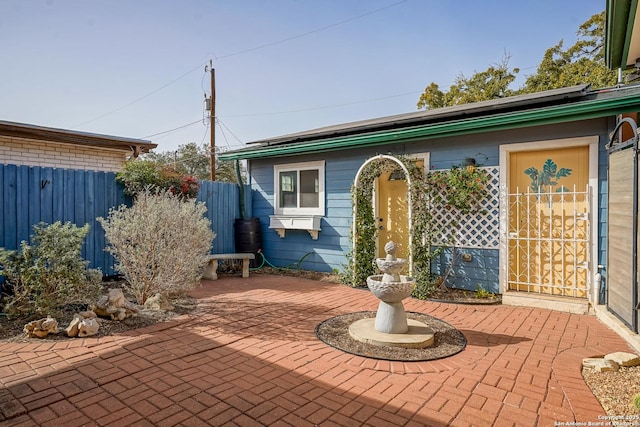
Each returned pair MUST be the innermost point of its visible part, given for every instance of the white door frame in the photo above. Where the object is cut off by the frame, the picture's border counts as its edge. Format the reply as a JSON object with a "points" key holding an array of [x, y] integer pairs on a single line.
{"points": [[505, 150]]}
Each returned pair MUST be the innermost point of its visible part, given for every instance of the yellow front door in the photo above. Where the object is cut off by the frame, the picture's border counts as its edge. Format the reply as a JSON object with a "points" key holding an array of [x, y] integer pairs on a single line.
{"points": [[548, 235], [392, 211], [392, 214]]}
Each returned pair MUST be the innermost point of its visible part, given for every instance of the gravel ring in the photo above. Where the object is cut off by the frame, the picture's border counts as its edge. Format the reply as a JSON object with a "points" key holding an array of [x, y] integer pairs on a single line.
{"points": [[335, 333]]}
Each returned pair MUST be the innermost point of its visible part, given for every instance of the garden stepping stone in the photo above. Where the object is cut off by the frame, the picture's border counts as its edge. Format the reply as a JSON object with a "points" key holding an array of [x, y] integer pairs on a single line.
{"points": [[623, 359], [600, 365]]}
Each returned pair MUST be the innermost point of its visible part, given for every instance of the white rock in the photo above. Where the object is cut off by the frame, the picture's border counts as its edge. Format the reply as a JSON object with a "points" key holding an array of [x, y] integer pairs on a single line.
{"points": [[624, 359], [42, 327], [115, 306], [158, 302], [88, 327], [600, 365], [72, 329]]}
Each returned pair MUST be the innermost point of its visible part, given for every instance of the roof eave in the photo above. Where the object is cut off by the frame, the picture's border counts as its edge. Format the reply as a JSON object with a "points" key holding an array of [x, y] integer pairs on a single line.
{"points": [[581, 110], [65, 136], [620, 16]]}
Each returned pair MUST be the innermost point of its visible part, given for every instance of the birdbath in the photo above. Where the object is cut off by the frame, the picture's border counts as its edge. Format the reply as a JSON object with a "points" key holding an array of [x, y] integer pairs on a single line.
{"points": [[391, 326]]}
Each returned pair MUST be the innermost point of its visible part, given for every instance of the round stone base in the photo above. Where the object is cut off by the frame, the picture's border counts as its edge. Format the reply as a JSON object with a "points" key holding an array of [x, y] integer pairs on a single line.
{"points": [[419, 335]]}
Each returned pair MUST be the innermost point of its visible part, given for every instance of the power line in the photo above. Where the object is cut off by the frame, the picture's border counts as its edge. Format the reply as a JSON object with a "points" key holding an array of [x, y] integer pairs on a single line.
{"points": [[313, 31], [301, 110], [142, 97], [239, 53], [224, 135], [205, 134], [221, 123], [230, 131], [172, 130]]}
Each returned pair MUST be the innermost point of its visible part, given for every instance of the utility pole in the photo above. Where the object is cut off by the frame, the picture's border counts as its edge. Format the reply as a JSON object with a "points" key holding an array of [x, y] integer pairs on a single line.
{"points": [[212, 121]]}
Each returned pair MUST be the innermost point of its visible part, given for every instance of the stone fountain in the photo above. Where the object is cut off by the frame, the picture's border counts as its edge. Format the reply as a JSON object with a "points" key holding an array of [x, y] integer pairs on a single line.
{"points": [[391, 327]]}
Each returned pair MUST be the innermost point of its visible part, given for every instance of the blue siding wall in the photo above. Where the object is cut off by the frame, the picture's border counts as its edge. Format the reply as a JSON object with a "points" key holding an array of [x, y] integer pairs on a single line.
{"points": [[329, 251], [482, 271], [29, 195]]}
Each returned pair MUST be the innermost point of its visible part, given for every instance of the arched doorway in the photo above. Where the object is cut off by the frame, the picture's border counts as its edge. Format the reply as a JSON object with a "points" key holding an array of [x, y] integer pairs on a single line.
{"points": [[394, 216]]}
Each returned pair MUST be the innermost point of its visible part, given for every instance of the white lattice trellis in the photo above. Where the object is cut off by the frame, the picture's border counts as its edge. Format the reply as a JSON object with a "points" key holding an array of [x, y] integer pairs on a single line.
{"points": [[479, 229]]}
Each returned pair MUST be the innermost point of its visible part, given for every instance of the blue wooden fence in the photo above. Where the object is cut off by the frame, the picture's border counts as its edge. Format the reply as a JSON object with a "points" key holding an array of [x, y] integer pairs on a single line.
{"points": [[29, 195]]}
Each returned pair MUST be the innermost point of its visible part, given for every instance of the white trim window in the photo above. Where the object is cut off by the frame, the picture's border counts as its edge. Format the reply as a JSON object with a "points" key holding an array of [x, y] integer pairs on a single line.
{"points": [[299, 188]]}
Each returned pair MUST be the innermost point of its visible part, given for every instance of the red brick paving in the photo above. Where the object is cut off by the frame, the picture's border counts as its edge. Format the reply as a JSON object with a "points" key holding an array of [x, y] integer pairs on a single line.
{"points": [[249, 357]]}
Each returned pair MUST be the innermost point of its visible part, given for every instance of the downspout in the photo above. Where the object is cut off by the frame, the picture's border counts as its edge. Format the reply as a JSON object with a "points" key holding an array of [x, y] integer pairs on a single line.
{"points": [[243, 208]]}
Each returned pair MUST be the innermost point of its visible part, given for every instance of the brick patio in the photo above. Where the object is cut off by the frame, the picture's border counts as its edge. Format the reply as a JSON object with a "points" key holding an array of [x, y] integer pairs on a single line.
{"points": [[248, 356]]}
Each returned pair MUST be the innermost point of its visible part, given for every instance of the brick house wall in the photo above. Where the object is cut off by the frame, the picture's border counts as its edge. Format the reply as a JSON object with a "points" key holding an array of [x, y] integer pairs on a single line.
{"points": [[30, 152]]}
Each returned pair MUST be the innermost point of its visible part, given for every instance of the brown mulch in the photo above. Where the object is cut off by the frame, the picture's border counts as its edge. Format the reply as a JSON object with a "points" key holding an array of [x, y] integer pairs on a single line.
{"points": [[448, 340], [12, 329]]}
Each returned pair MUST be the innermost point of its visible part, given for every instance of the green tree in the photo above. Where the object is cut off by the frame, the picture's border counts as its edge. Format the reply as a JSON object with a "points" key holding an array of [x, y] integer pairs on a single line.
{"points": [[191, 159], [481, 86], [582, 63]]}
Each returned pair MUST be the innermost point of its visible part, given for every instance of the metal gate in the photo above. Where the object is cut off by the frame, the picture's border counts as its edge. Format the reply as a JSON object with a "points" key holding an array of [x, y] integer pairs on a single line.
{"points": [[622, 236], [548, 242]]}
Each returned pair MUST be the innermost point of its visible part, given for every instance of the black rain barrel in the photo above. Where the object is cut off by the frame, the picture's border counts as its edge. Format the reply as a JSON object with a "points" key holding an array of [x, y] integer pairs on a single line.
{"points": [[248, 237]]}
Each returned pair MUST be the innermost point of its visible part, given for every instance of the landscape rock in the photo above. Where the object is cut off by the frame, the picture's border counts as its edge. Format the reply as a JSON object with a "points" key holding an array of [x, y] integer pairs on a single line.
{"points": [[72, 329], [88, 327], [88, 314], [84, 324], [158, 302], [600, 364], [115, 306], [42, 327], [624, 359]]}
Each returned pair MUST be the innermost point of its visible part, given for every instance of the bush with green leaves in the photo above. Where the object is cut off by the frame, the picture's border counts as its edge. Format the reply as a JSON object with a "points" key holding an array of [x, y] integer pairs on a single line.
{"points": [[161, 243], [50, 272], [137, 175]]}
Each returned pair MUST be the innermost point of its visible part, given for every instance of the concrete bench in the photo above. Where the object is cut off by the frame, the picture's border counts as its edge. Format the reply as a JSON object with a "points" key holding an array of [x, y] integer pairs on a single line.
{"points": [[211, 269]]}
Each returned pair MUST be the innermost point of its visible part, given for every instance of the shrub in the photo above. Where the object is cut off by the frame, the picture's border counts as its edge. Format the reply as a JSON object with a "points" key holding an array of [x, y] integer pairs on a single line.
{"points": [[161, 243], [49, 273], [137, 175]]}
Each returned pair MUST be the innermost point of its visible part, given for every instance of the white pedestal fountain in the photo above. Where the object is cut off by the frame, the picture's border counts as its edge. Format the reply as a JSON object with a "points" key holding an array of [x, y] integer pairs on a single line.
{"points": [[391, 327]]}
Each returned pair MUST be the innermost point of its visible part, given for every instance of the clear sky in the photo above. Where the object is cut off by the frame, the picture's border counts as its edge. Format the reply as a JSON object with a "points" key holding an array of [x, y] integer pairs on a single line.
{"points": [[136, 68]]}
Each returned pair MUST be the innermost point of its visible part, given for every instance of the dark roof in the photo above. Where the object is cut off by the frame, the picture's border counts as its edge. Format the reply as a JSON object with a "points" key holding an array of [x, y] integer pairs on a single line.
{"points": [[423, 117], [65, 136], [522, 111]]}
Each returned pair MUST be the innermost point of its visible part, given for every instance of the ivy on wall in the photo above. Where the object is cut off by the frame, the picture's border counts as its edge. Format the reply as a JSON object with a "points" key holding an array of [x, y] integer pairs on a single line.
{"points": [[461, 188]]}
